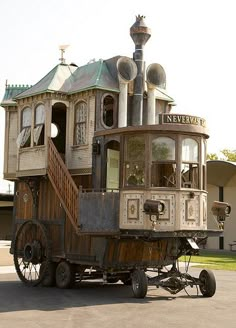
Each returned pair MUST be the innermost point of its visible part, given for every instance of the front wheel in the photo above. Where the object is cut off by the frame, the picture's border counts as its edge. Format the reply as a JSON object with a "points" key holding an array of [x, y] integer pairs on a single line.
{"points": [[139, 283], [207, 283], [65, 275]]}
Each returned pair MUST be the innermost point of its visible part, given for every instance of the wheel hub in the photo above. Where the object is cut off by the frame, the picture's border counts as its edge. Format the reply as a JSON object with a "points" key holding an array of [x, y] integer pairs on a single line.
{"points": [[32, 252]]}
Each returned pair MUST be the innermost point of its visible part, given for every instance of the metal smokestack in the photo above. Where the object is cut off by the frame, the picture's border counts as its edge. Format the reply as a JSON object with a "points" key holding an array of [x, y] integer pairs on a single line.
{"points": [[140, 34]]}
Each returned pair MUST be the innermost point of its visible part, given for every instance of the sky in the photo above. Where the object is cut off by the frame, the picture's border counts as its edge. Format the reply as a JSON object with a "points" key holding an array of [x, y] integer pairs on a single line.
{"points": [[194, 40]]}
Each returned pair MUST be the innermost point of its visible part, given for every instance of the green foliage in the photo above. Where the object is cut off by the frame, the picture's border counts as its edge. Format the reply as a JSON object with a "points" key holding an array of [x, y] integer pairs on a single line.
{"points": [[229, 155], [212, 157]]}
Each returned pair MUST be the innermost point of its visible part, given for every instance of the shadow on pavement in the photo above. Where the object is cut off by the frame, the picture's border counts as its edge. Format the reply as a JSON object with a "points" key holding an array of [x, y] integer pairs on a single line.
{"points": [[18, 297]]}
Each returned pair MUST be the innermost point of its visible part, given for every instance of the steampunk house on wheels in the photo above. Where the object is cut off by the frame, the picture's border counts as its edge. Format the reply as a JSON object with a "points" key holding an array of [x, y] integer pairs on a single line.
{"points": [[108, 183]]}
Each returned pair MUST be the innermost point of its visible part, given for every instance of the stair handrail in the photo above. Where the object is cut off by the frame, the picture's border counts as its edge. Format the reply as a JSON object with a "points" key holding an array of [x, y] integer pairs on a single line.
{"points": [[63, 184]]}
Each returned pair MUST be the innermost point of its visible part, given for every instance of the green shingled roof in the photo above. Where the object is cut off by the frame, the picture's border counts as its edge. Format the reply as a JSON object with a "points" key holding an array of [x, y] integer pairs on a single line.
{"points": [[11, 92], [71, 79]]}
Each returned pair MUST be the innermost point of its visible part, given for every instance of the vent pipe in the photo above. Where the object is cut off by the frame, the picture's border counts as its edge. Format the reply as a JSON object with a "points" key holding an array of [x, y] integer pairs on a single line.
{"points": [[127, 71], [140, 34], [156, 77]]}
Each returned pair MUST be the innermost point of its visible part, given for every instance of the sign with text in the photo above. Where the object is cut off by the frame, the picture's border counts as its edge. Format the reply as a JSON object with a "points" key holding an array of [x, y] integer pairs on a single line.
{"points": [[183, 119]]}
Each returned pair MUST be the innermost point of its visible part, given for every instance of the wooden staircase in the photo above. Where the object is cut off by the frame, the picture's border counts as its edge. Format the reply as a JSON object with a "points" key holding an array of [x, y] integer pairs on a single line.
{"points": [[63, 184]]}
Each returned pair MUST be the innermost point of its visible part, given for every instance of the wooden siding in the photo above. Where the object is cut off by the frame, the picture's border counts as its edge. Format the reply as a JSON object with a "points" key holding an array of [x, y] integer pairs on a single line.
{"points": [[130, 252], [24, 201], [10, 152], [32, 159]]}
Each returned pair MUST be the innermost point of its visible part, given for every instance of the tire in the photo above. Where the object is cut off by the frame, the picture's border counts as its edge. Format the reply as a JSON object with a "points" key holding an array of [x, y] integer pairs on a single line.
{"points": [[49, 278], [207, 283], [139, 283], [31, 249], [65, 275]]}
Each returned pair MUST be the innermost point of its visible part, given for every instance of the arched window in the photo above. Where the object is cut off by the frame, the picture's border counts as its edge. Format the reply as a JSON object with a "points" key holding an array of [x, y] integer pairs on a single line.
{"points": [[39, 125], [80, 135], [108, 112], [163, 171], [190, 163], [24, 137]]}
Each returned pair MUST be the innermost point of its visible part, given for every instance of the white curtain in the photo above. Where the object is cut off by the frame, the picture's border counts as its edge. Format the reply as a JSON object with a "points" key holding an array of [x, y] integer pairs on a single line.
{"points": [[37, 133], [23, 137]]}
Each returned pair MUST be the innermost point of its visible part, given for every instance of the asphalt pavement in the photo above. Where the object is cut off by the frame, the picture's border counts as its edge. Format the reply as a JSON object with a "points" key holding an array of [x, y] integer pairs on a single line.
{"points": [[94, 304]]}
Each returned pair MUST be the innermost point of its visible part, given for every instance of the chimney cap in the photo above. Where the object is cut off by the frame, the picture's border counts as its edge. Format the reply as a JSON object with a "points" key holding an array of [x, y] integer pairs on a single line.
{"points": [[139, 31]]}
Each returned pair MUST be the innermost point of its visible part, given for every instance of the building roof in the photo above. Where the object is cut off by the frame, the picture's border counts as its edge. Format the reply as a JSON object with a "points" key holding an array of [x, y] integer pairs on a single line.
{"points": [[162, 95], [220, 172], [71, 79], [11, 92]]}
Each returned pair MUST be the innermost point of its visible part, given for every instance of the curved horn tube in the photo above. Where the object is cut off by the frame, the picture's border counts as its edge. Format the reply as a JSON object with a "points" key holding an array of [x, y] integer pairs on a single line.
{"points": [[127, 71]]}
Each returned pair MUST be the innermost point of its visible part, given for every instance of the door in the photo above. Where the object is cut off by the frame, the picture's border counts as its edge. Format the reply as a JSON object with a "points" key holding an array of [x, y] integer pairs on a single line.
{"points": [[113, 160]]}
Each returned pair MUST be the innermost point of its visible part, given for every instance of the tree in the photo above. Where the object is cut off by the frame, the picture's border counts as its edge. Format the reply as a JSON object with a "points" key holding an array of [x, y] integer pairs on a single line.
{"points": [[228, 155], [212, 157]]}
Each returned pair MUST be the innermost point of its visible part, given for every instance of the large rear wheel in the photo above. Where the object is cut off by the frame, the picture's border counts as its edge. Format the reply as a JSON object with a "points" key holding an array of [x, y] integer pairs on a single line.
{"points": [[31, 249]]}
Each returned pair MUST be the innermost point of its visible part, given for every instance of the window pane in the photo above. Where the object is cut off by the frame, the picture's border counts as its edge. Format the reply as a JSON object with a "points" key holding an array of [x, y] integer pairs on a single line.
{"points": [[163, 148], [80, 123], [136, 149], [81, 112], [40, 114], [203, 151], [189, 150], [134, 174], [163, 175], [108, 111], [26, 117], [80, 134], [190, 176]]}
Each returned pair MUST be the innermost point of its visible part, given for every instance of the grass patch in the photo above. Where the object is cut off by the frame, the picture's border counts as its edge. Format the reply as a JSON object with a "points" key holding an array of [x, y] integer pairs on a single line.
{"points": [[214, 261]]}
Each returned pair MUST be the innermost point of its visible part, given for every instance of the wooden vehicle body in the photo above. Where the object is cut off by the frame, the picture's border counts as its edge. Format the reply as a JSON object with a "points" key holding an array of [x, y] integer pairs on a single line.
{"points": [[120, 189]]}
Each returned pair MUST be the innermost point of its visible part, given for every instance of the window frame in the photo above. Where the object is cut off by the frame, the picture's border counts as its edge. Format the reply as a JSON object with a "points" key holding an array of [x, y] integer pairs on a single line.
{"points": [[78, 124], [197, 163], [39, 128], [25, 129], [132, 165], [114, 109], [170, 181]]}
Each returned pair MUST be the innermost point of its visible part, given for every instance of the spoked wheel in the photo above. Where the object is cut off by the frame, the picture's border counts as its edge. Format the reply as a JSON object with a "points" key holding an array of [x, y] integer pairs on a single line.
{"points": [[65, 275], [207, 283], [31, 249], [139, 283]]}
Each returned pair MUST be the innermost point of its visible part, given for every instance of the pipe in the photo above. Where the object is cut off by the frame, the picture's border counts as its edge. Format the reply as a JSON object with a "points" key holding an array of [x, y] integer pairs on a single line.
{"points": [[127, 71], [156, 77]]}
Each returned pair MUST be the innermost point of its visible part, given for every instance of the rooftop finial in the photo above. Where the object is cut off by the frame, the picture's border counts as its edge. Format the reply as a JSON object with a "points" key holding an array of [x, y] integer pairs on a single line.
{"points": [[62, 48]]}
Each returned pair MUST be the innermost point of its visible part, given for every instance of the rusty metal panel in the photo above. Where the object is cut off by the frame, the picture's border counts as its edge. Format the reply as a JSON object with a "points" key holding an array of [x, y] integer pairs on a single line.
{"points": [[99, 212]]}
